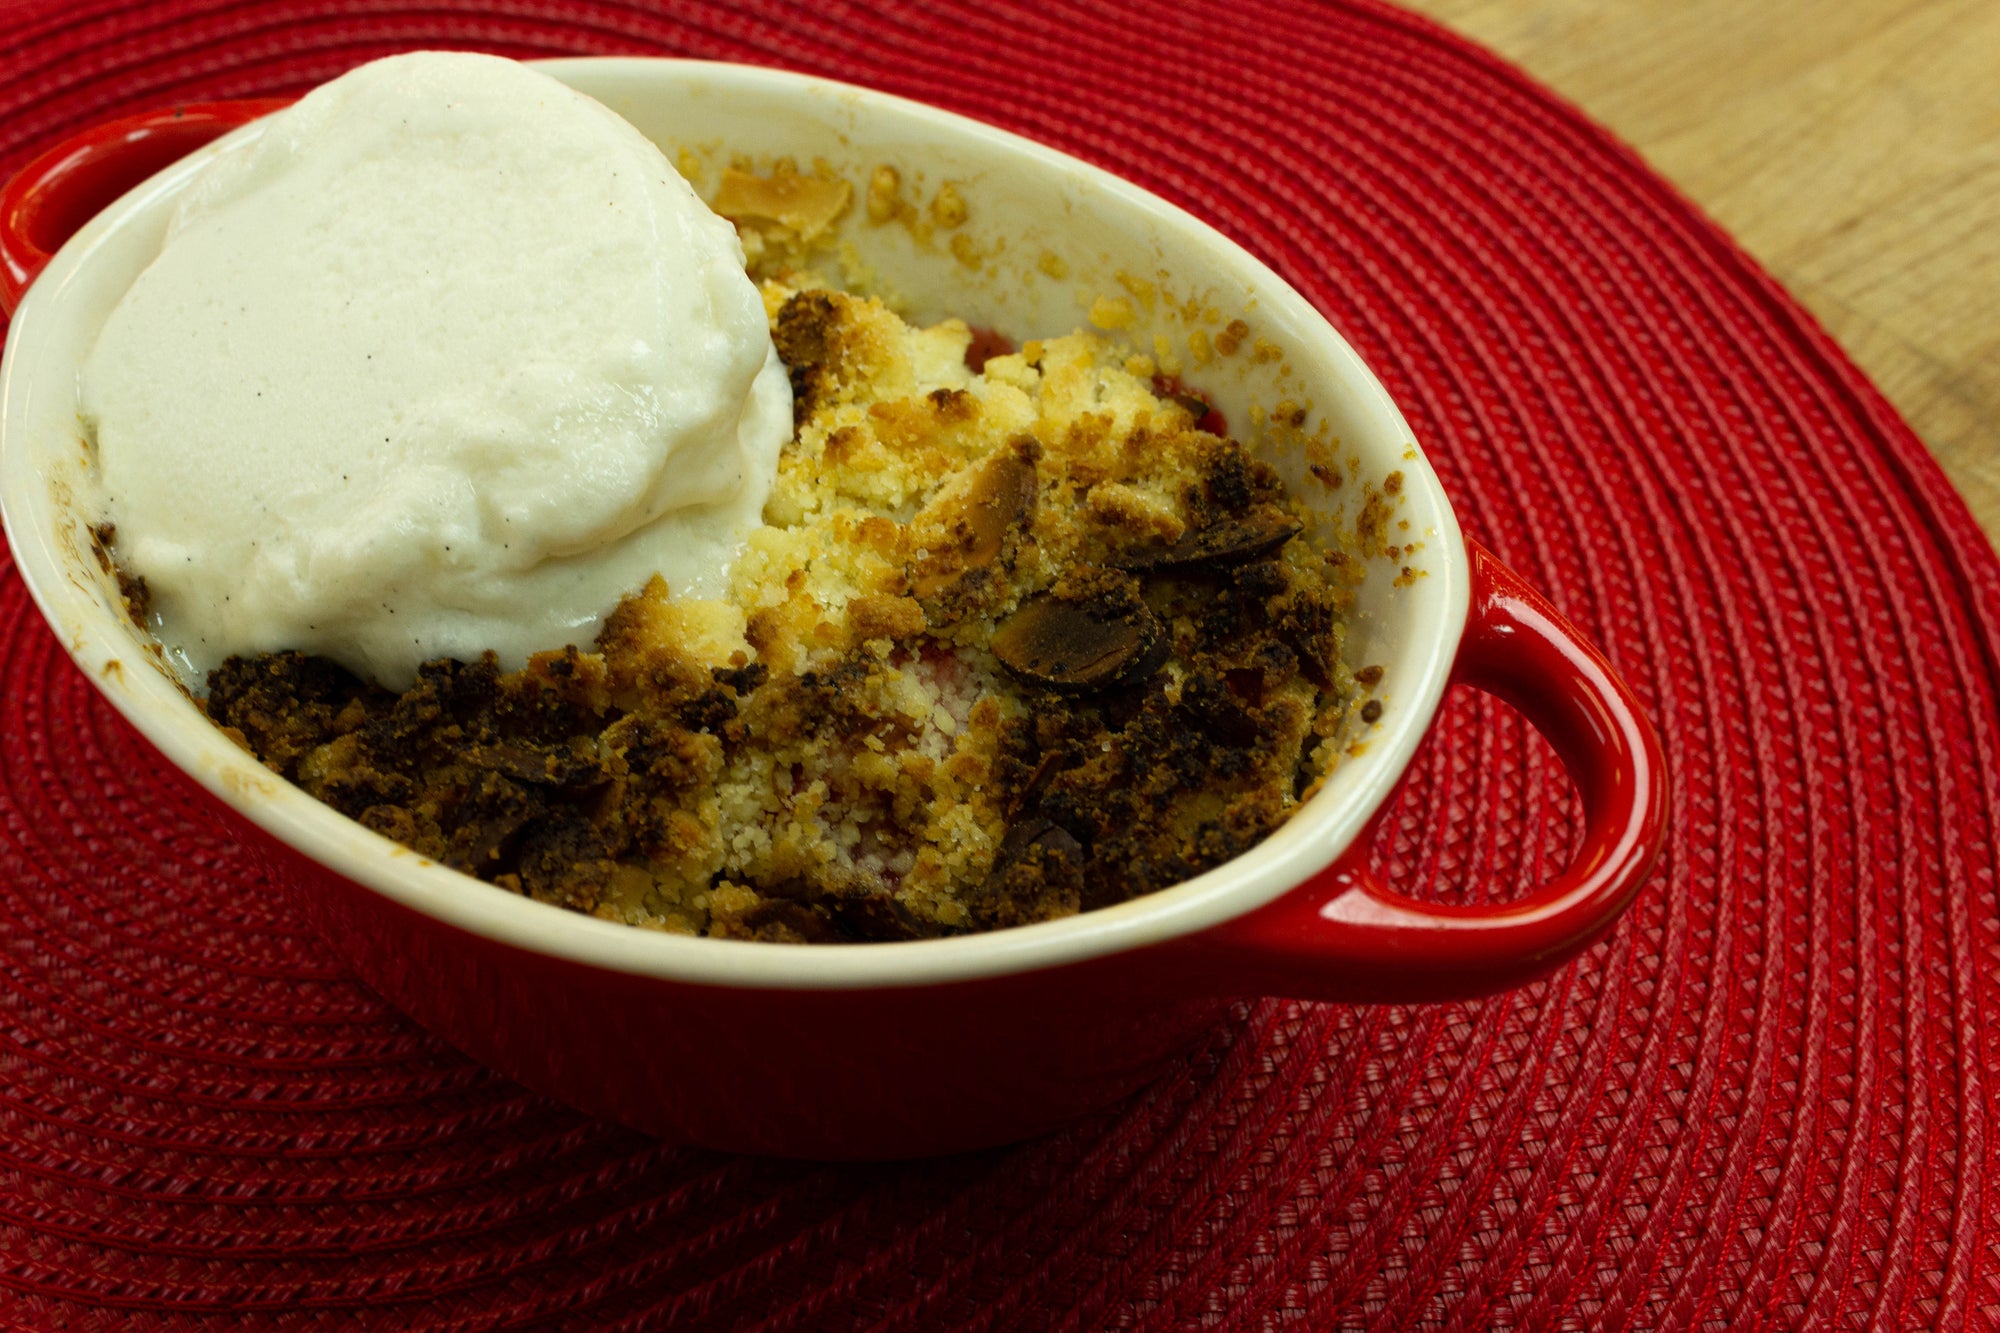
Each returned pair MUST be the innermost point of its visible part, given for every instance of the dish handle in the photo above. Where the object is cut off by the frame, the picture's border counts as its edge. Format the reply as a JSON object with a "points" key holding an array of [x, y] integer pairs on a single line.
{"points": [[51, 198], [1346, 935]]}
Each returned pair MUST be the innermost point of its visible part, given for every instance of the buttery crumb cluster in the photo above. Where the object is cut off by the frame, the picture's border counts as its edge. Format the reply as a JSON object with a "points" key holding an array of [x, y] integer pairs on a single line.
{"points": [[1016, 642]]}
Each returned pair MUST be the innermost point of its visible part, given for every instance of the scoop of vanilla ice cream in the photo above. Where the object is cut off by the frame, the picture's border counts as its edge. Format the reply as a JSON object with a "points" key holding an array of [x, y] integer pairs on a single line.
{"points": [[448, 359]]}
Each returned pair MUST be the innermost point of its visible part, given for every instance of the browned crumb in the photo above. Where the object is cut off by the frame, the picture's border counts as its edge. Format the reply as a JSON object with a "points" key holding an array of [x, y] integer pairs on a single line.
{"points": [[103, 536], [138, 598], [807, 336], [132, 590]]}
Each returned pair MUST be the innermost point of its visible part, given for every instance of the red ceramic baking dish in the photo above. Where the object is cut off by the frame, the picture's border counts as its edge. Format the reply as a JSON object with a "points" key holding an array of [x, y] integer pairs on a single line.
{"points": [[873, 1050]]}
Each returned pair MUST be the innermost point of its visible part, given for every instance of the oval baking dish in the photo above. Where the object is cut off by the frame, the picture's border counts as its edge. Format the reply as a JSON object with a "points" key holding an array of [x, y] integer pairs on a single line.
{"points": [[877, 1050]]}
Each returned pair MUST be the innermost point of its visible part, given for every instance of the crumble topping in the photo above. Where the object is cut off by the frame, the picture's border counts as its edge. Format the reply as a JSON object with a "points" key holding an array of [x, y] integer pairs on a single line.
{"points": [[1016, 642]]}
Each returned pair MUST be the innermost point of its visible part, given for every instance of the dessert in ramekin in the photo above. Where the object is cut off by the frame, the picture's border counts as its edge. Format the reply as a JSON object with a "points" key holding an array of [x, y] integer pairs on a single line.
{"points": [[925, 1045]]}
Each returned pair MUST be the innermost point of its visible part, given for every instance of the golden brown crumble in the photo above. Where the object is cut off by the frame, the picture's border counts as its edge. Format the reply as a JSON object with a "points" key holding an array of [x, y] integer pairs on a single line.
{"points": [[1013, 644]]}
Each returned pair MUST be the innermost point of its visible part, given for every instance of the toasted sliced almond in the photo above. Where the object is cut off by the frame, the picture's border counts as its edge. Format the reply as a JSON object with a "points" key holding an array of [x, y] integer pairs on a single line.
{"points": [[1229, 541], [806, 204], [1088, 633], [1001, 498]]}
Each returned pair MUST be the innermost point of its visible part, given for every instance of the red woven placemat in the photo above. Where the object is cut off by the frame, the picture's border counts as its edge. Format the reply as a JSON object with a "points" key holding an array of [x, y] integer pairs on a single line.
{"points": [[1765, 1104]]}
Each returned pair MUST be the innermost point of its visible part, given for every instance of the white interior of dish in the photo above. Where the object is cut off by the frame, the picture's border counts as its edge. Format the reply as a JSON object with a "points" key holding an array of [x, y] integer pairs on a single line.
{"points": [[1024, 201]]}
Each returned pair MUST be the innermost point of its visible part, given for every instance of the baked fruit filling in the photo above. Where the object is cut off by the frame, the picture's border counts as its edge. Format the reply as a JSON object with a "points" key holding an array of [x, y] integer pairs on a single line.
{"points": [[1015, 643]]}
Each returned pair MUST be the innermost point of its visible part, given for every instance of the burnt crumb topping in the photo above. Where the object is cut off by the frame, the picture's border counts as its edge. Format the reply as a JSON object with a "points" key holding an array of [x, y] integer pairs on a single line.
{"points": [[1062, 655]]}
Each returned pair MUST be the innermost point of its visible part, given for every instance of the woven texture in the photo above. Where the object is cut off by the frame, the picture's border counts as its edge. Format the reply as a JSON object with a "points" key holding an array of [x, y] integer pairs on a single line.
{"points": [[1764, 1104]]}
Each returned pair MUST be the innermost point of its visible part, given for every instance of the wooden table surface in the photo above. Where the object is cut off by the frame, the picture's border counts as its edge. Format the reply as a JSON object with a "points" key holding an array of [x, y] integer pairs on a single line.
{"points": [[1852, 146]]}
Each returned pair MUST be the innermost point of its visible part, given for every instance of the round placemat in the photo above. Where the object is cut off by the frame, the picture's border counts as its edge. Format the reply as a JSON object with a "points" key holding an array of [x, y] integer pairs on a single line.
{"points": [[1763, 1104]]}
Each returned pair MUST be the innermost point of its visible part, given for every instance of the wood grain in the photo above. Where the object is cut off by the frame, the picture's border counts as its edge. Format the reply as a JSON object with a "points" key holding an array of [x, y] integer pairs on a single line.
{"points": [[1852, 146]]}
